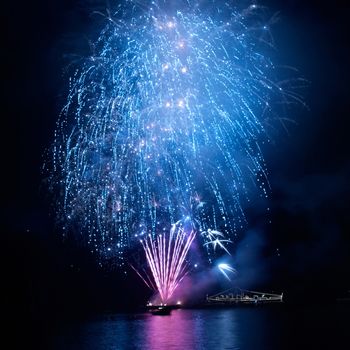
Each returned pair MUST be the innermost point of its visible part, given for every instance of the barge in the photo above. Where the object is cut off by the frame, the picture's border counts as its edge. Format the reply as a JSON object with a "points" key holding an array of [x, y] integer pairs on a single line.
{"points": [[237, 296]]}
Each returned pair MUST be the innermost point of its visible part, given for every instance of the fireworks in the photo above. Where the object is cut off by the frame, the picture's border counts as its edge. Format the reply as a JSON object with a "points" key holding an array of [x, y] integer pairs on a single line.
{"points": [[225, 269], [215, 238], [166, 259], [165, 121]]}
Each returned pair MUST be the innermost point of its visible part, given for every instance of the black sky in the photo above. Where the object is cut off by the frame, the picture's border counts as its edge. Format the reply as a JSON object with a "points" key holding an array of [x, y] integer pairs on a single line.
{"points": [[309, 165]]}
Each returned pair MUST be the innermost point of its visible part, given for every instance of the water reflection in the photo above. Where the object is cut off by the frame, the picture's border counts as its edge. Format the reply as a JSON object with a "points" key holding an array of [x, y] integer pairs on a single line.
{"points": [[260, 328], [186, 329], [183, 329]]}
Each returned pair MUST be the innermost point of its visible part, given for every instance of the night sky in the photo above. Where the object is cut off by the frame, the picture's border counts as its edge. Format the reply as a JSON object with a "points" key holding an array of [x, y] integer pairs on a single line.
{"points": [[304, 248]]}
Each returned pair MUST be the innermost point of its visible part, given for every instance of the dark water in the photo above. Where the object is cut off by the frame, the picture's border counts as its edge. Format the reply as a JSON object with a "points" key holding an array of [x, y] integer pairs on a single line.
{"points": [[263, 327]]}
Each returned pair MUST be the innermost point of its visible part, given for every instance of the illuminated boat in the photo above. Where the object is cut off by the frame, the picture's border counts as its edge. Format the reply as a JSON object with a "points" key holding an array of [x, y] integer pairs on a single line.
{"points": [[237, 296], [161, 311]]}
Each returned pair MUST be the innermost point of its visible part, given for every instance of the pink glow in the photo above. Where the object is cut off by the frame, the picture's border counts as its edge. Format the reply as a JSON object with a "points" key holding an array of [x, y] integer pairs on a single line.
{"points": [[166, 258]]}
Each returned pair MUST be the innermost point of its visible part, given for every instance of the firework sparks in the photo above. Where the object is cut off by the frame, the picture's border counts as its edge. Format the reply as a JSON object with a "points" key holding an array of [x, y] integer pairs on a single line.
{"points": [[216, 238], [225, 268], [165, 120], [166, 258]]}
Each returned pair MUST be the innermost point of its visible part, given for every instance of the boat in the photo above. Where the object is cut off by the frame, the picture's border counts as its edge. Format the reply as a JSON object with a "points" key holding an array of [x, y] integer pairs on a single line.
{"points": [[237, 296], [161, 311]]}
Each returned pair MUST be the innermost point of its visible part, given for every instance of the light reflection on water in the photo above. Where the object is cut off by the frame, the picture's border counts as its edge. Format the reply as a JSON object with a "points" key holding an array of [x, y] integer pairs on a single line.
{"points": [[188, 330], [183, 329], [251, 328]]}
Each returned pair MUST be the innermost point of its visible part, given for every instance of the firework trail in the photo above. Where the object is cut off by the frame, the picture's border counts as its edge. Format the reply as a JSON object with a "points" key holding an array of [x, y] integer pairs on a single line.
{"points": [[163, 121], [225, 268], [166, 258]]}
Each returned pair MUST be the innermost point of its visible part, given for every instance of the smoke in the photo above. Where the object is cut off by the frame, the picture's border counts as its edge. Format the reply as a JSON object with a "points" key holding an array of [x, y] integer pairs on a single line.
{"points": [[250, 260], [194, 287]]}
